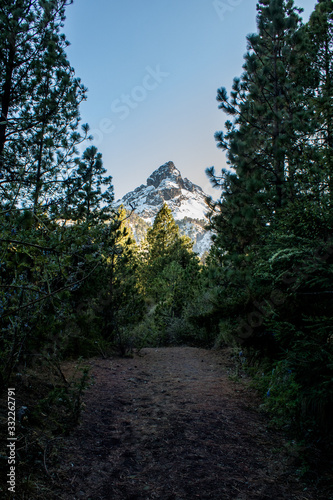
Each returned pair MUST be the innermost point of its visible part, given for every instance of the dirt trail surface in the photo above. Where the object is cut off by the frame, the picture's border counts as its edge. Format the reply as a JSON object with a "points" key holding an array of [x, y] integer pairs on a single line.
{"points": [[171, 425]]}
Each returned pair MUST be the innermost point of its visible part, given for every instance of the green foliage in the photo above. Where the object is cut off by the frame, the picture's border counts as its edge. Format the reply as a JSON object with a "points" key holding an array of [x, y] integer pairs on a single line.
{"points": [[39, 101], [146, 333], [225, 336], [85, 199], [63, 403], [169, 265], [268, 278], [69, 284], [52, 402], [162, 238], [309, 354], [281, 394]]}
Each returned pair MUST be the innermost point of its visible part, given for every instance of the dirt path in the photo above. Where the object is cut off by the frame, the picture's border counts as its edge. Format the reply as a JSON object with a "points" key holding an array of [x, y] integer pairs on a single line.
{"points": [[171, 425]]}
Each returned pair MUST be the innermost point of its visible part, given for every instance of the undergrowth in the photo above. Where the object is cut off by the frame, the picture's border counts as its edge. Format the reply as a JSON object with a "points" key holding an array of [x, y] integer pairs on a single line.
{"points": [[48, 405]]}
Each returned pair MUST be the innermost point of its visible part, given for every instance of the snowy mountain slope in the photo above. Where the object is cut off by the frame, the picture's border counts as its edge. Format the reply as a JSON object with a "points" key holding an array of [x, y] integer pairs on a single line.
{"points": [[185, 199], [166, 184]]}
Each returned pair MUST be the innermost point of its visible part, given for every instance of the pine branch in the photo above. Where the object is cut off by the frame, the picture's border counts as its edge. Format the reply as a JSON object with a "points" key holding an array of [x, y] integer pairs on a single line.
{"points": [[16, 242], [14, 311]]}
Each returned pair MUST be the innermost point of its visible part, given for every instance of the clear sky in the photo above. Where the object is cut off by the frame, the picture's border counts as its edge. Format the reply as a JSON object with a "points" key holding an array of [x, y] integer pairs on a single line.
{"points": [[152, 68]]}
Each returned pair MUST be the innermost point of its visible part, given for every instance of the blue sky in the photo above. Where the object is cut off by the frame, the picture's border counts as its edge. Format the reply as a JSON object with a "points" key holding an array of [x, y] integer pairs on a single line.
{"points": [[152, 68]]}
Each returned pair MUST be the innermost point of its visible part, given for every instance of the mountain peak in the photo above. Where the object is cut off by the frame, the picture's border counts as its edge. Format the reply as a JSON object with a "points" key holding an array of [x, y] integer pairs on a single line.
{"points": [[166, 184], [166, 171], [185, 199]]}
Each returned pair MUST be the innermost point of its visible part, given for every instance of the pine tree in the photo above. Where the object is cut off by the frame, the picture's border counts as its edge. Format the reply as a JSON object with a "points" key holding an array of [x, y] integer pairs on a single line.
{"points": [[39, 100], [120, 302], [320, 36], [270, 108], [86, 200], [171, 268], [52, 142], [163, 235]]}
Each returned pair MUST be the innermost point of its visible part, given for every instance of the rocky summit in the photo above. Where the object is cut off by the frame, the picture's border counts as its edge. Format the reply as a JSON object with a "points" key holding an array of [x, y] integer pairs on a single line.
{"points": [[185, 199]]}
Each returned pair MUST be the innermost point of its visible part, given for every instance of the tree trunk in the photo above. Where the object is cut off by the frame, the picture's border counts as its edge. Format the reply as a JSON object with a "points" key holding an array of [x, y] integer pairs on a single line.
{"points": [[39, 172], [6, 98]]}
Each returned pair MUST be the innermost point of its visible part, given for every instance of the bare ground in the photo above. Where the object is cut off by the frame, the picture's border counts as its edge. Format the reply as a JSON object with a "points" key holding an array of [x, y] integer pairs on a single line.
{"points": [[170, 424]]}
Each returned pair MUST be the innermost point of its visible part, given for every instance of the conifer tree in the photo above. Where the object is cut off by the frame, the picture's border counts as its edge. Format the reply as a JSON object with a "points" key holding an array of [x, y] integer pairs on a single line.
{"points": [[320, 42], [163, 235], [86, 200], [268, 275], [120, 302], [171, 263], [39, 100], [270, 126]]}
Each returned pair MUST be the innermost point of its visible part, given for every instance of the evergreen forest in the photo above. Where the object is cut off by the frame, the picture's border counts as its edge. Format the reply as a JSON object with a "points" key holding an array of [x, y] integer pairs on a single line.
{"points": [[74, 284]]}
